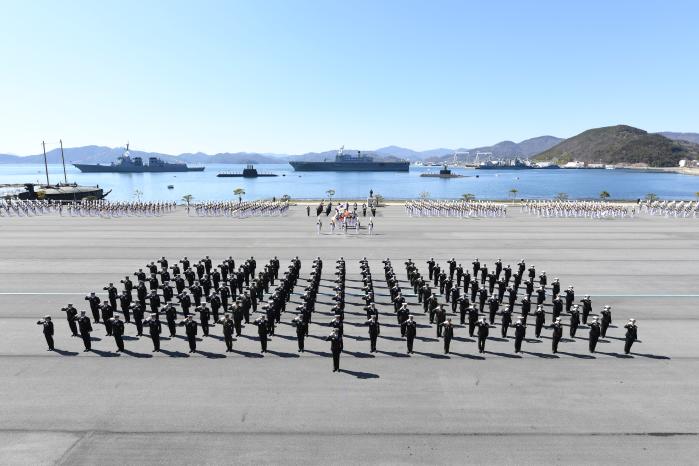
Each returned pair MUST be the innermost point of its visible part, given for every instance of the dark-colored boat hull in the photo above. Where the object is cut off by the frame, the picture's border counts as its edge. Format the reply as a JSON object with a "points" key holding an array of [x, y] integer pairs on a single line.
{"points": [[351, 166], [87, 168]]}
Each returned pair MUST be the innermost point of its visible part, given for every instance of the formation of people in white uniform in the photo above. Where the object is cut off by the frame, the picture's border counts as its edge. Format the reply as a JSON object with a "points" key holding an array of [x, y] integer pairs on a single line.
{"points": [[84, 208], [242, 209], [576, 209], [453, 208], [677, 209]]}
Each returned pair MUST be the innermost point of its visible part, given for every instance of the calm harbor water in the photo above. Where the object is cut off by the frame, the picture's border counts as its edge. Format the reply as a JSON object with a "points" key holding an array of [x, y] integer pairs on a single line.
{"points": [[490, 184]]}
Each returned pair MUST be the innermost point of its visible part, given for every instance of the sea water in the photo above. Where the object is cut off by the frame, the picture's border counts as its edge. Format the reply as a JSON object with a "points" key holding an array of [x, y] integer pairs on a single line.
{"points": [[484, 184]]}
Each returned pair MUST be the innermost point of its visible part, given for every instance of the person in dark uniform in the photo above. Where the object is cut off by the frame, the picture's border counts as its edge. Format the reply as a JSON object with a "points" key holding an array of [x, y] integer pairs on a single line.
{"points": [[520, 332], [374, 332], [557, 327], [95, 302], [402, 316], [112, 294], [118, 332], [631, 335], [410, 332], [190, 328], [606, 320], [472, 319], [301, 331], [574, 320], [448, 332], [71, 316], [85, 328], [238, 316], [107, 314], [594, 334], [204, 317], [171, 319], [587, 308], [483, 330], [506, 321], [137, 311], [336, 348], [47, 327], [540, 319], [262, 331], [440, 317], [463, 309], [228, 329], [154, 329], [125, 302]]}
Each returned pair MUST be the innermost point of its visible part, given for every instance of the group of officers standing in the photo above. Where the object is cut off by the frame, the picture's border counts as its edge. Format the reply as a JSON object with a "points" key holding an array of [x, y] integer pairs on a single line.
{"points": [[227, 295]]}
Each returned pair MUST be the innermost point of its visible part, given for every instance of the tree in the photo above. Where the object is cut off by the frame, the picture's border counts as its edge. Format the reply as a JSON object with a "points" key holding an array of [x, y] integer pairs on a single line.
{"points": [[286, 198], [240, 192], [137, 194], [378, 198], [697, 194], [652, 197], [468, 197], [188, 199], [424, 195], [330, 193], [604, 195], [561, 197], [513, 193]]}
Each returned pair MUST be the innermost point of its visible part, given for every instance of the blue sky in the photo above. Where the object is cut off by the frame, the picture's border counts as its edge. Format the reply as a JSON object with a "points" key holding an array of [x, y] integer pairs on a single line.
{"points": [[297, 76]]}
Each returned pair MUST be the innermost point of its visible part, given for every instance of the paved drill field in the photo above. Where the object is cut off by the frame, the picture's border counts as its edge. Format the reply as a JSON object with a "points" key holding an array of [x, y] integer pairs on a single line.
{"points": [[70, 407]]}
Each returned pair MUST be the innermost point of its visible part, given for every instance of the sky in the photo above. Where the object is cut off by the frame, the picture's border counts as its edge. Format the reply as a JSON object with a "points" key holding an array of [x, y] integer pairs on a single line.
{"points": [[294, 76]]}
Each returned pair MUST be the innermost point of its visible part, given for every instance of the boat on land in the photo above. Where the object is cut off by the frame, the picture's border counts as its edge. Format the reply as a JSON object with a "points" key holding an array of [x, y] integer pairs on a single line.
{"points": [[443, 173], [347, 162], [127, 164], [248, 172]]}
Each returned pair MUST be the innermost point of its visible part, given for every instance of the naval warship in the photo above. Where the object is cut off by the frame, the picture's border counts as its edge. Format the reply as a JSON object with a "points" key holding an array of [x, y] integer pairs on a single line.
{"points": [[345, 162], [127, 164]]}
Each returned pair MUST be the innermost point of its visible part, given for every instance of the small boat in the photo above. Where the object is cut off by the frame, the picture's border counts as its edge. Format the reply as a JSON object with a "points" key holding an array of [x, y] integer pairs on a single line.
{"points": [[170, 186], [248, 172]]}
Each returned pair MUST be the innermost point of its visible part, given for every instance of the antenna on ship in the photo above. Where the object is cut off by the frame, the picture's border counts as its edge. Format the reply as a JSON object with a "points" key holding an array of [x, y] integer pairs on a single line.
{"points": [[46, 165], [63, 160], [342, 150]]}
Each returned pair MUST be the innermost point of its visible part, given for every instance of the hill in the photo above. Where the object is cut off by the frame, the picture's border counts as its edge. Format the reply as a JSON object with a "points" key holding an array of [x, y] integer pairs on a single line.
{"points": [[621, 145]]}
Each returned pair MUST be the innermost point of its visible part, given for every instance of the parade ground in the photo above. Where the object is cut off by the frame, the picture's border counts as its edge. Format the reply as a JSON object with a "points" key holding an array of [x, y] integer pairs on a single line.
{"points": [[212, 407]]}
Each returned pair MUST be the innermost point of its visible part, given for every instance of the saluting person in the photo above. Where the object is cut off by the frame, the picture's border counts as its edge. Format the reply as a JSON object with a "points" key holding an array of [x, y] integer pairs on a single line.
{"points": [[47, 327], [631, 335], [190, 329]]}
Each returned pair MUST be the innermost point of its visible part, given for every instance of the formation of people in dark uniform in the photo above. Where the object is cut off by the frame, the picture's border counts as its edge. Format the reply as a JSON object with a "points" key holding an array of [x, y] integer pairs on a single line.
{"points": [[198, 295]]}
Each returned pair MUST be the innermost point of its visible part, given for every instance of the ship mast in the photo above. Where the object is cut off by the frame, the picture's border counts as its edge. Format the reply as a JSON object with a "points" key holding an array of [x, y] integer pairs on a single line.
{"points": [[46, 165], [63, 160]]}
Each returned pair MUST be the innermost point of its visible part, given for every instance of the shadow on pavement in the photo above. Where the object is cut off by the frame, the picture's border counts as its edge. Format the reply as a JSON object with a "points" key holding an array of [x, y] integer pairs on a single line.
{"points": [[433, 355], [211, 355], [65, 353], [394, 354], [577, 355], [174, 354], [137, 355], [247, 354], [361, 375], [282, 354]]}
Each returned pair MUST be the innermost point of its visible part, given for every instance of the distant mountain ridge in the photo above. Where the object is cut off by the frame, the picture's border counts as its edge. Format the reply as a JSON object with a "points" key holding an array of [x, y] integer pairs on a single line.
{"points": [[622, 144], [541, 146], [691, 137]]}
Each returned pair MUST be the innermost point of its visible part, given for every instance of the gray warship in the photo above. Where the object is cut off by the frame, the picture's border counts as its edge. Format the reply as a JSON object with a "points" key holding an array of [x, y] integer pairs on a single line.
{"points": [[345, 162], [127, 164]]}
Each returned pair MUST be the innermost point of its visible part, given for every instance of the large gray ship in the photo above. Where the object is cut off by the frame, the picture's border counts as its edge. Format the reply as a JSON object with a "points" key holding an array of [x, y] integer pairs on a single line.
{"points": [[127, 164], [352, 163]]}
